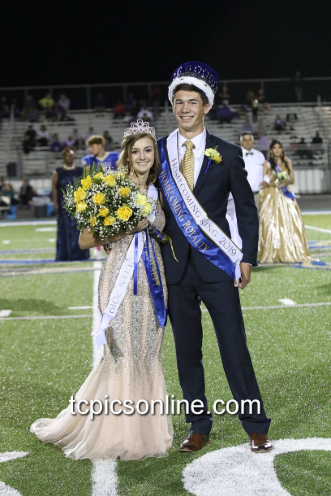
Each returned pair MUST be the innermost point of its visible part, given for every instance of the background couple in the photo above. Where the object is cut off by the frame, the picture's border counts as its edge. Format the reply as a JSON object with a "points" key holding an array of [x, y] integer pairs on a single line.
{"points": [[131, 366]]}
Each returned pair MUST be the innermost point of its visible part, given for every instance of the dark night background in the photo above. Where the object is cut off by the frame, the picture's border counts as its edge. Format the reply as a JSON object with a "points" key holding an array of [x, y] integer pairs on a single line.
{"points": [[73, 42]]}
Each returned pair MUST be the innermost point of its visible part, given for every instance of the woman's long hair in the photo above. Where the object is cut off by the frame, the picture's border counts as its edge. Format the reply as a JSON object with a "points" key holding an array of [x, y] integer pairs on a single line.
{"points": [[125, 159], [272, 160]]}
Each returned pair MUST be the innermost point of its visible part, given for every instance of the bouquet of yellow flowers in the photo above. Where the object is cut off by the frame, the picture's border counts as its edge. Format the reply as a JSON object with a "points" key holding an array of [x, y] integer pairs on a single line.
{"points": [[282, 177], [107, 202]]}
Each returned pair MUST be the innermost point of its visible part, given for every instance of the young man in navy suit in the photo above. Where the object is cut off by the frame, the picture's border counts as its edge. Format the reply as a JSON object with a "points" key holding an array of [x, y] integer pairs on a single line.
{"points": [[198, 274]]}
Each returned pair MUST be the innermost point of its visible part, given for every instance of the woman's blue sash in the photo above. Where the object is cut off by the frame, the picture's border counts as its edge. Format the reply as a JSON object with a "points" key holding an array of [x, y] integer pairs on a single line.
{"points": [[185, 221]]}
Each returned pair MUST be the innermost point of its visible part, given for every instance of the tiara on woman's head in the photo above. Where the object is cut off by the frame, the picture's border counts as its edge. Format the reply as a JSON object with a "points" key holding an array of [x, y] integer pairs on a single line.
{"points": [[139, 127]]}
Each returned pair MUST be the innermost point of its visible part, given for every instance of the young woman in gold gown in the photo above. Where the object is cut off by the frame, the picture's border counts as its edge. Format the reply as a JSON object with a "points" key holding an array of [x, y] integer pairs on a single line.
{"points": [[282, 236], [131, 366]]}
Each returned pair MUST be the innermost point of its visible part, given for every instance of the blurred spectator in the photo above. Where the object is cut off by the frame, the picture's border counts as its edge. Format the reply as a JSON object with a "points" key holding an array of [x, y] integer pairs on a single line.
{"points": [[63, 104], [317, 139], [262, 100], [14, 110], [8, 191], [47, 105], [255, 109], [224, 96], [303, 150], [119, 110], [79, 140], [298, 86], [26, 193], [145, 114], [90, 133], [29, 140], [317, 148], [248, 126], [100, 103], [70, 142], [279, 124], [224, 114], [56, 145], [108, 146], [43, 136], [4, 108], [30, 111], [130, 106], [264, 144]]}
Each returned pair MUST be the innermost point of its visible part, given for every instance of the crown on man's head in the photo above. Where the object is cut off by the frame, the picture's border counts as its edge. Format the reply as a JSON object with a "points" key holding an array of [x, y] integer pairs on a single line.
{"points": [[139, 127], [200, 75]]}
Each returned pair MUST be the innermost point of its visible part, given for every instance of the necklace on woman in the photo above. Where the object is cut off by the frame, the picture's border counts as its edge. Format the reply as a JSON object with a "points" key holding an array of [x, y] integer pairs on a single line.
{"points": [[68, 168]]}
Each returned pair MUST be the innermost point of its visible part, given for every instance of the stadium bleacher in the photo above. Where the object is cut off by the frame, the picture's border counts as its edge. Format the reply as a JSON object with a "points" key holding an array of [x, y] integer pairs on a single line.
{"points": [[311, 175]]}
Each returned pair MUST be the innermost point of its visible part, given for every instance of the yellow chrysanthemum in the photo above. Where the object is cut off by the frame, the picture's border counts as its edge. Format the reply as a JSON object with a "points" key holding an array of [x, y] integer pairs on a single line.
{"points": [[147, 209], [140, 199], [217, 160], [86, 183], [92, 220], [109, 180], [79, 195], [98, 176], [124, 213], [109, 221], [81, 206], [99, 198], [103, 212], [124, 192]]}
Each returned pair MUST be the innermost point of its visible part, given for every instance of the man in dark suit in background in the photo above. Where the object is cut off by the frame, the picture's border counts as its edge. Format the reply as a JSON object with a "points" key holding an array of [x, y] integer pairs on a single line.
{"points": [[195, 277]]}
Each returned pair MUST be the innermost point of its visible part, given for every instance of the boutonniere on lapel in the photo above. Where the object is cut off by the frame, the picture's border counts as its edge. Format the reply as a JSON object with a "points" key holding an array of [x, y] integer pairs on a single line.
{"points": [[213, 155]]}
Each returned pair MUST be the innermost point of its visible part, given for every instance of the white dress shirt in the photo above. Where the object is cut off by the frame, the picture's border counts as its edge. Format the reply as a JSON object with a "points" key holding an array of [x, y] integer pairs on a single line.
{"points": [[254, 161], [198, 152]]}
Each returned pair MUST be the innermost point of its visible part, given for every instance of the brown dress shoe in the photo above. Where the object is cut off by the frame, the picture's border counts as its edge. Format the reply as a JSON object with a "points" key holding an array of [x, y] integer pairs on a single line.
{"points": [[260, 443], [194, 442]]}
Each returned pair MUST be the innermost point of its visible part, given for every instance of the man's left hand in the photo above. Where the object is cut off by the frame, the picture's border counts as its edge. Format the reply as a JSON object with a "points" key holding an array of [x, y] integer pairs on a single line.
{"points": [[245, 270]]}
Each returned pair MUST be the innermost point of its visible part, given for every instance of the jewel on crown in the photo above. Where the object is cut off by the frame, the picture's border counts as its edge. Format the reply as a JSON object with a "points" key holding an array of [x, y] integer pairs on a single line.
{"points": [[139, 127]]}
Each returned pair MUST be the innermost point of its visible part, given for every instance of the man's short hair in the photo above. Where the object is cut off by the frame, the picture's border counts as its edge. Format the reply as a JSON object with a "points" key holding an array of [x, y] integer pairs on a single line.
{"points": [[191, 87], [246, 133], [95, 140]]}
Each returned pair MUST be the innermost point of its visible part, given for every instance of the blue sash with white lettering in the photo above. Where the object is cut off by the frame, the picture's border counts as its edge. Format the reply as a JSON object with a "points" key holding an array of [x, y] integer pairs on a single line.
{"points": [[284, 189], [185, 221]]}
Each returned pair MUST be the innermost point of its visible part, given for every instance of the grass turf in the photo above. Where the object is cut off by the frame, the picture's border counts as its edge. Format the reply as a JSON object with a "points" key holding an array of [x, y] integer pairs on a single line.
{"points": [[44, 362]]}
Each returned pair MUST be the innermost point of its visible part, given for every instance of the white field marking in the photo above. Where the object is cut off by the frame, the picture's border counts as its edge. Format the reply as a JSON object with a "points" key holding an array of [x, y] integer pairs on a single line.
{"points": [[51, 240], [29, 223], [316, 212], [79, 308], [287, 301], [6, 242], [272, 307], [5, 313], [6, 457], [104, 477], [320, 229], [45, 229], [236, 471], [46, 317]]}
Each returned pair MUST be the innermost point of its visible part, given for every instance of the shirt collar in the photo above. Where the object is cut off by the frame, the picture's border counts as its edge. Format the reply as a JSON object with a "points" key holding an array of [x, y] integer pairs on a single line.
{"points": [[198, 141], [246, 151]]}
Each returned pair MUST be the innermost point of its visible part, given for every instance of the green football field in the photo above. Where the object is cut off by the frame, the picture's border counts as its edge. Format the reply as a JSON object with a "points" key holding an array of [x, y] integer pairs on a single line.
{"points": [[43, 361]]}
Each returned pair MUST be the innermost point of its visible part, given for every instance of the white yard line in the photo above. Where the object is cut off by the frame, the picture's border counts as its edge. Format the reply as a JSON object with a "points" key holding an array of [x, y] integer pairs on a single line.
{"points": [[79, 308], [45, 317], [272, 307], [320, 229], [287, 301], [316, 212], [104, 477], [28, 223]]}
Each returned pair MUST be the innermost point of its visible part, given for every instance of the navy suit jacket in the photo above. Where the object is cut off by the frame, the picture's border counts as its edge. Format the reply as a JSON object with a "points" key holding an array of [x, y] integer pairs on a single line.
{"points": [[212, 190]]}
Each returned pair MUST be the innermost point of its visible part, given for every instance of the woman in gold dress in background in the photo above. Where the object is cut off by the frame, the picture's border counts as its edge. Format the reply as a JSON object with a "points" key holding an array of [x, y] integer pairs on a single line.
{"points": [[282, 236], [131, 366]]}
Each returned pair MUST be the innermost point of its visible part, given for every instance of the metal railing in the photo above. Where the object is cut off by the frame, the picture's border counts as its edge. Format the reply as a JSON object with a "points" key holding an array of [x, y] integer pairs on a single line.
{"points": [[83, 96]]}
